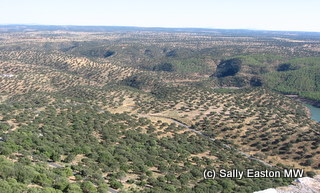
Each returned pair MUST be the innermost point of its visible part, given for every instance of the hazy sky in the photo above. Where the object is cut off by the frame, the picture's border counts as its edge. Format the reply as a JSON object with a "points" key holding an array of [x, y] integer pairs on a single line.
{"points": [[300, 15]]}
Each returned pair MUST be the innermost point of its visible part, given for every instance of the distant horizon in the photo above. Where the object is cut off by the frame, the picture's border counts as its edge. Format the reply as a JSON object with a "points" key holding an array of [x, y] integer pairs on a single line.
{"points": [[271, 15], [153, 27]]}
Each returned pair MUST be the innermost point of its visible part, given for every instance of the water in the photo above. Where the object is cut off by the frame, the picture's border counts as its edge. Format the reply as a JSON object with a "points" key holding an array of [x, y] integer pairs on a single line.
{"points": [[315, 112]]}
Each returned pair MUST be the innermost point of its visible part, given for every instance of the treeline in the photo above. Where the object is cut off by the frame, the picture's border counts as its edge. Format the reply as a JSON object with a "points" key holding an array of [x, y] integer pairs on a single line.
{"points": [[304, 81]]}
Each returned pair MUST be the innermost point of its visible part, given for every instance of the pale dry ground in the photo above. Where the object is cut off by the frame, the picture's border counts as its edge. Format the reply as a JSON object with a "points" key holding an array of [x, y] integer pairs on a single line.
{"points": [[98, 72], [30, 77], [13, 125], [290, 40], [34, 186], [125, 106], [16, 156], [130, 187], [63, 36], [72, 179], [204, 154], [3, 98], [77, 159], [243, 130], [97, 136], [249, 118], [33, 78], [193, 106], [276, 159]]}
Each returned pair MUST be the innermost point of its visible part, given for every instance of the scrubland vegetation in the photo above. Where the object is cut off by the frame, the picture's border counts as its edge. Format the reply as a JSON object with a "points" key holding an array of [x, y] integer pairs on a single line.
{"points": [[84, 110]]}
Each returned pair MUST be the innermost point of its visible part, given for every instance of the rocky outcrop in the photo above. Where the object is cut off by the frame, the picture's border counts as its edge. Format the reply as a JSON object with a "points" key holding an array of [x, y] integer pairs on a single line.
{"points": [[300, 185]]}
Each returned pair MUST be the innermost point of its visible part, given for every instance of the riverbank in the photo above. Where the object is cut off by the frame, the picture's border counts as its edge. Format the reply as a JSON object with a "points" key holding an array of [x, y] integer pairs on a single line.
{"points": [[315, 112], [305, 100], [312, 108]]}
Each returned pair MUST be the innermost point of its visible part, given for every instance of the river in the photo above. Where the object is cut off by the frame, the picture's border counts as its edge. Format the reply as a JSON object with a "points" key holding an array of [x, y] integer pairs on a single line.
{"points": [[315, 112]]}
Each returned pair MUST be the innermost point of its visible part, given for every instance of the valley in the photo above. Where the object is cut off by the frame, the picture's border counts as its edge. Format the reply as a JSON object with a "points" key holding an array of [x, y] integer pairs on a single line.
{"points": [[124, 109]]}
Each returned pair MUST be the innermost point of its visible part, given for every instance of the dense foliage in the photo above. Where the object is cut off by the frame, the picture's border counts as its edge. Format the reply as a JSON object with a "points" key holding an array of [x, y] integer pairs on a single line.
{"points": [[304, 81]]}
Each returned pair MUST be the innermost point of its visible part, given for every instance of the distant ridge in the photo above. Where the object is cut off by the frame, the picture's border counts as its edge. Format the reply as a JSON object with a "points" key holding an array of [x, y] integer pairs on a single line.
{"points": [[36, 27]]}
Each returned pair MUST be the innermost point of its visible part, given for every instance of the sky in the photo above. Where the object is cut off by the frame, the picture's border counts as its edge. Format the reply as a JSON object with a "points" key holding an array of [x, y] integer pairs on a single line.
{"points": [[287, 15]]}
